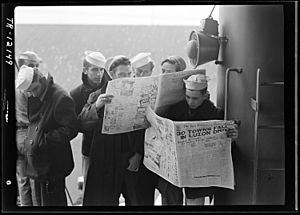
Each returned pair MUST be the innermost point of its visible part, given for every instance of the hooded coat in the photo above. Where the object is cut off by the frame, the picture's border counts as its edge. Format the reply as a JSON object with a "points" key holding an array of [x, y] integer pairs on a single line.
{"points": [[52, 125], [82, 95]]}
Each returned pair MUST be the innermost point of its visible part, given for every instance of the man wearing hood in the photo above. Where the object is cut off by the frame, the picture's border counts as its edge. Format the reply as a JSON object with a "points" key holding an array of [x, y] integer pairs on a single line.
{"points": [[52, 125], [94, 77]]}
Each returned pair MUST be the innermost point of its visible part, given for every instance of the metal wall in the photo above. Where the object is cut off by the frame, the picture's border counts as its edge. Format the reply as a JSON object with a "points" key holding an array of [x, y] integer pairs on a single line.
{"points": [[256, 40]]}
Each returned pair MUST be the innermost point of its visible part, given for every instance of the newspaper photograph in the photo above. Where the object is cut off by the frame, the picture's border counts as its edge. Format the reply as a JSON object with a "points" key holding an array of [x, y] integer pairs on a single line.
{"points": [[127, 110], [189, 153]]}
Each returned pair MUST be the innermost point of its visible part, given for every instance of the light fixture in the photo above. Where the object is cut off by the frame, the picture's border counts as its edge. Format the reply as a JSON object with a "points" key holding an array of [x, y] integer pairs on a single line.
{"points": [[205, 45]]}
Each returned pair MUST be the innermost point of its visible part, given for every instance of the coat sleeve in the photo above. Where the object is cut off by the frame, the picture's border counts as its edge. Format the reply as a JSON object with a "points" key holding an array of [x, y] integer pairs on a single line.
{"points": [[76, 98], [65, 117], [21, 107], [89, 116], [80, 102], [218, 113]]}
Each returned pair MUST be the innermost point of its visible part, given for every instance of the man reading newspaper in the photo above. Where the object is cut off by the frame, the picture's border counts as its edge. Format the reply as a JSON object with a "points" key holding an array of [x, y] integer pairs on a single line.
{"points": [[195, 107]]}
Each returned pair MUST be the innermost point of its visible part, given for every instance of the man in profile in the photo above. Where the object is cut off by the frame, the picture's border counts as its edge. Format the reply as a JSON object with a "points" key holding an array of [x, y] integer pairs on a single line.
{"points": [[52, 125]]}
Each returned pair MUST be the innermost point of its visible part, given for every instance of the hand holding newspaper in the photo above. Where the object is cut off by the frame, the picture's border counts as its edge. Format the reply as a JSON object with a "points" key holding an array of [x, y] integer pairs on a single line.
{"points": [[131, 97], [189, 153]]}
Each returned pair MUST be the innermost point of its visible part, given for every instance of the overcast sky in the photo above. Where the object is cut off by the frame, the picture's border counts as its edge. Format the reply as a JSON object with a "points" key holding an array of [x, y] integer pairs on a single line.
{"points": [[115, 15]]}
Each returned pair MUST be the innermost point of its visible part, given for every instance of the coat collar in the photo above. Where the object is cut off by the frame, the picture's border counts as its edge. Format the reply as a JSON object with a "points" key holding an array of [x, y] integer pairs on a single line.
{"points": [[48, 83], [88, 88], [199, 110]]}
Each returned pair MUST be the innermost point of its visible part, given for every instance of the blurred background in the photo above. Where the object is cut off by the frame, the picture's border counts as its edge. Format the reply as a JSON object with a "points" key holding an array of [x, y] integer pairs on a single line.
{"points": [[61, 34]]}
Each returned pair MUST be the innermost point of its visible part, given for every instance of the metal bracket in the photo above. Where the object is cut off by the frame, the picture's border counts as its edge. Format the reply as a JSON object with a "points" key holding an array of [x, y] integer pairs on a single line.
{"points": [[254, 104], [222, 41]]}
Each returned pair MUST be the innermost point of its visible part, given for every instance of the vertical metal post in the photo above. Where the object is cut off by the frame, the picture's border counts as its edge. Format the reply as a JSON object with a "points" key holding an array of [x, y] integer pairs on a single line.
{"points": [[238, 70], [255, 160]]}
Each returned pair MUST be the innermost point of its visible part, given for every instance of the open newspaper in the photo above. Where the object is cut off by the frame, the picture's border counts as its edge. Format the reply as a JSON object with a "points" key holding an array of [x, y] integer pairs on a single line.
{"points": [[127, 111], [189, 153]]}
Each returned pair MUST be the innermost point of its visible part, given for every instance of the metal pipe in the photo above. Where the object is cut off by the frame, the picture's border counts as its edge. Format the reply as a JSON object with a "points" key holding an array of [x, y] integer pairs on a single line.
{"points": [[212, 11], [238, 70], [255, 160]]}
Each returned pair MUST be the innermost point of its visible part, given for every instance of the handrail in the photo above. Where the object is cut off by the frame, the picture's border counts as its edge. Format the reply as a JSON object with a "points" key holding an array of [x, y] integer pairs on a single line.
{"points": [[238, 70], [279, 83], [255, 105], [255, 162]]}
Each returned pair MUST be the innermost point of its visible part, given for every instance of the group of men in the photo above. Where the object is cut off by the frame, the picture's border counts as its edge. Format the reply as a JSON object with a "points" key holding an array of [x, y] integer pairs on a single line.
{"points": [[48, 118]]}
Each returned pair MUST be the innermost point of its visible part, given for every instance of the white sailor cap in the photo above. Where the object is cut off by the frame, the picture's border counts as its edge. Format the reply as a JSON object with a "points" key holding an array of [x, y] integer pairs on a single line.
{"points": [[95, 58], [30, 55], [140, 59], [24, 78], [196, 82]]}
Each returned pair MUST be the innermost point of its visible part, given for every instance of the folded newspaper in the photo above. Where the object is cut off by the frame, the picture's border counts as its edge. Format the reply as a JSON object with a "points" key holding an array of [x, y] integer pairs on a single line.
{"points": [[189, 153], [127, 111]]}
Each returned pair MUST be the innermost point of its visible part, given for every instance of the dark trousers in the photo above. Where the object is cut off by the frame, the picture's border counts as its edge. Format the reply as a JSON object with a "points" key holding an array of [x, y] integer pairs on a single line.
{"points": [[104, 194], [170, 194], [52, 192], [146, 184], [129, 188]]}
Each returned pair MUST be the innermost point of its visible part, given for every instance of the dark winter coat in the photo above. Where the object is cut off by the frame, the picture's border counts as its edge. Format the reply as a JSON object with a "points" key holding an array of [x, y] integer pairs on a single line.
{"points": [[109, 159], [82, 95], [182, 112], [52, 125]]}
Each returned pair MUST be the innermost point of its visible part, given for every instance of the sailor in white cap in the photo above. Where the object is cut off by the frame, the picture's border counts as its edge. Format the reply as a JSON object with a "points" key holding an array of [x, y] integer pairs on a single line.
{"points": [[195, 107], [196, 90], [142, 64], [93, 67], [24, 78], [94, 78], [30, 59]]}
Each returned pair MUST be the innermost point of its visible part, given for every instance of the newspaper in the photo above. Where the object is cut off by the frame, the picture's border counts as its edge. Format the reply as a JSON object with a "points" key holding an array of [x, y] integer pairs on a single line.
{"points": [[189, 153], [132, 96]]}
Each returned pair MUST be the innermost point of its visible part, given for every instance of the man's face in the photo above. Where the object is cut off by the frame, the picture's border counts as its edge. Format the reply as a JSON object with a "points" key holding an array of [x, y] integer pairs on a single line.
{"points": [[168, 68], [122, 71], [143, 71], [194, 98], [94, 74], [31, 63]]}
